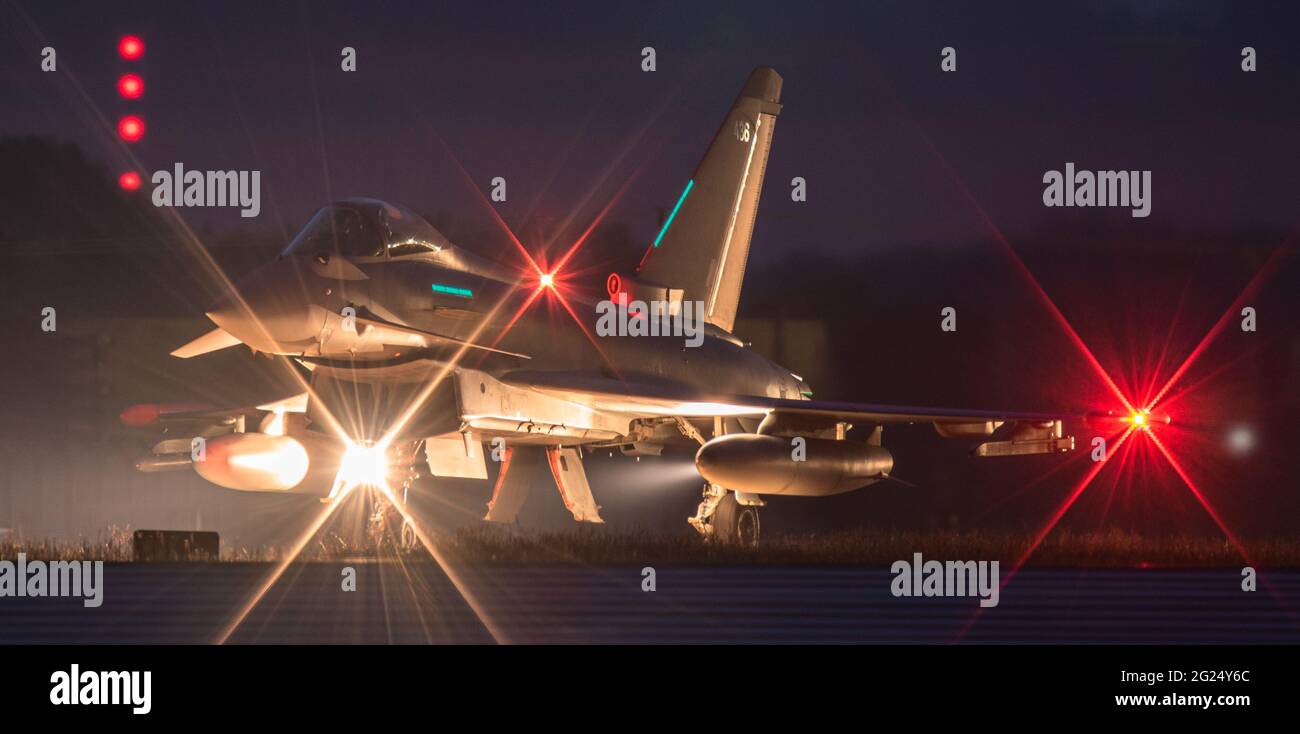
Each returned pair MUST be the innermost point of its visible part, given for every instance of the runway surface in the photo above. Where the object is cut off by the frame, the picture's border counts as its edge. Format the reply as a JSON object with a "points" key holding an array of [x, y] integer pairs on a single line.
{"points": [[416, 602]]}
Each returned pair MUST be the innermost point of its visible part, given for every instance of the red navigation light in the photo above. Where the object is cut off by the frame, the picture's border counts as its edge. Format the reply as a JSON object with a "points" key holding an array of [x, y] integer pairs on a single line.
{"points": [[131, 128], [1140, 419], [129, 181], [130, 47], [1143, 420], [130, 86]]}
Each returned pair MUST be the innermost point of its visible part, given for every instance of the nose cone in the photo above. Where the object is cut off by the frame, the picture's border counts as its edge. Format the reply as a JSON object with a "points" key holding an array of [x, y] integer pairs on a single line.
{"points": [[273, 309]]}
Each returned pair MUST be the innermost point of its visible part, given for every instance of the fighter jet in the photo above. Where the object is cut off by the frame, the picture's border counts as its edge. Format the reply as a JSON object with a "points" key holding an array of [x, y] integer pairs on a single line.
{"points": [[416, 353]]}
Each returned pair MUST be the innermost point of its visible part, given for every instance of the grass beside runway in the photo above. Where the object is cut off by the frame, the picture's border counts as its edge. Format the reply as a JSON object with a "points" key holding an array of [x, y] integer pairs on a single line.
{"points": [[864, 547]]}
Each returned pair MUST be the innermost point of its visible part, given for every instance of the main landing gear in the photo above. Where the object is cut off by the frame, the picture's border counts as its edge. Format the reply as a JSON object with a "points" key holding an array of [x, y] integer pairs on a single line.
{"points": [[726, 517]]}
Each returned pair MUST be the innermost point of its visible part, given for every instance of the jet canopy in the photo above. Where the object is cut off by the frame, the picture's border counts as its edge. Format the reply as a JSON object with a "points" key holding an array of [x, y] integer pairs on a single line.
{"points": [[367, 228]]}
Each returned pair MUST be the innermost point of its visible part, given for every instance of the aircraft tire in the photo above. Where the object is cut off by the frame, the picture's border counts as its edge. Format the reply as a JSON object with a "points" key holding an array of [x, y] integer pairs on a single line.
{"points": [[736, 523]]}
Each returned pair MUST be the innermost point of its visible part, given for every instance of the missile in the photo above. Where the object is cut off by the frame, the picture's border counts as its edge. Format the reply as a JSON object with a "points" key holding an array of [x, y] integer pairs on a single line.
{"points": [[147, 414], [763, 464], [155, 464]]}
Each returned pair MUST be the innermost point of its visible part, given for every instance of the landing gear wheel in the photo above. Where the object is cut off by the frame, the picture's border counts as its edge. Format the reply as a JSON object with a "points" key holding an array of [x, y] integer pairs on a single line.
{"points": [[736, 523], [407, 538], [387, 529]]}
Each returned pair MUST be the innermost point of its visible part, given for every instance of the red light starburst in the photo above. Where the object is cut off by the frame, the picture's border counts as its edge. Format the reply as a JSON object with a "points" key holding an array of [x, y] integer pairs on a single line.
{"points": [[1137, 417], [552, 280]]}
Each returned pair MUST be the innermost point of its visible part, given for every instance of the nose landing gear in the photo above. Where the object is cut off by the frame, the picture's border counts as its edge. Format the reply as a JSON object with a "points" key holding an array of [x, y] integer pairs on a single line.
{"points": [[387, 526], [388, 529]]}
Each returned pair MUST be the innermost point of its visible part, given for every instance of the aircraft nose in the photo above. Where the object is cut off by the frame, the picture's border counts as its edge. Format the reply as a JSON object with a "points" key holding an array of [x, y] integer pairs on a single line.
{"points": [[272, 309]]}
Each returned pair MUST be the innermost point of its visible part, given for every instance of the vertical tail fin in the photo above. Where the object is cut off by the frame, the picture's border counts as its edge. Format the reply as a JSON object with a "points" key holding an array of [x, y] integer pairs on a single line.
{"points": [[703, 245]]}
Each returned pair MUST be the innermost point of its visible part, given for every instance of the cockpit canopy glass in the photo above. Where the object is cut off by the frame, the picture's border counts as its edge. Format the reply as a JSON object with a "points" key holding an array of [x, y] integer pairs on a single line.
{"points": [[409, 234], [367, 228]]}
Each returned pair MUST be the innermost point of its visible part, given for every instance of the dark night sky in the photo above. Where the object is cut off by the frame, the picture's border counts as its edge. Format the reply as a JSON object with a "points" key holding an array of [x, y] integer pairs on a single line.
{"points": [[548, 96], [896, 155]]}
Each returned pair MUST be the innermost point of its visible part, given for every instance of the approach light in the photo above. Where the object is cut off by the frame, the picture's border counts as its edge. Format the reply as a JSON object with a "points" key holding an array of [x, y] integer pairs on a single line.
{"points": [[130, 47], [129, 181], [130, 86], [131, 128]]}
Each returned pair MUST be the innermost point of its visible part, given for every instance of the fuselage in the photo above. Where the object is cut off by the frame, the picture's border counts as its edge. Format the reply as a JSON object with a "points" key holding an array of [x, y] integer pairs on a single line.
{"points": [[299, 306]]}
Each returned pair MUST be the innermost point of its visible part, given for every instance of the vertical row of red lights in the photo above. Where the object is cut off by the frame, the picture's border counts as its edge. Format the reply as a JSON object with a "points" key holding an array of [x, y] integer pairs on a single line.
{"points": [[130, 86]]}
